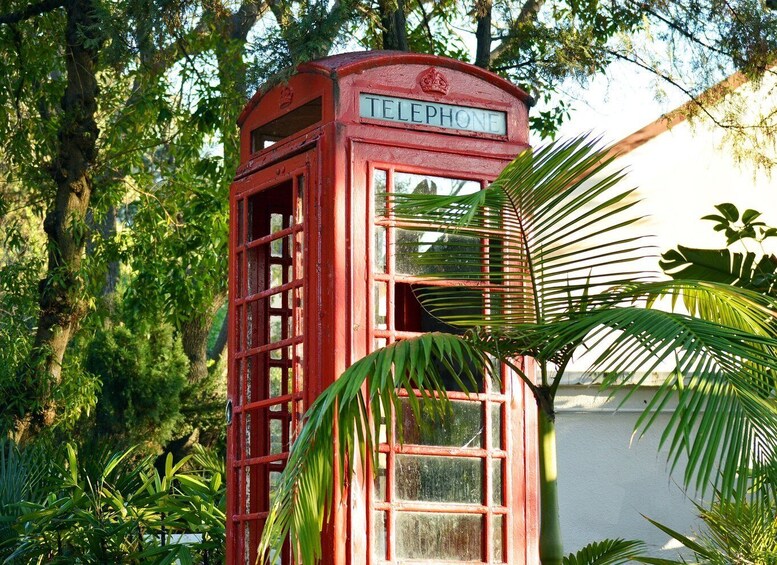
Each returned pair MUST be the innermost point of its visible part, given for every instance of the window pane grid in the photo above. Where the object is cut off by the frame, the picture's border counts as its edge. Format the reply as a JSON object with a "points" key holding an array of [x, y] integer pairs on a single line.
{"points": [[269, 344], [409, 470]]}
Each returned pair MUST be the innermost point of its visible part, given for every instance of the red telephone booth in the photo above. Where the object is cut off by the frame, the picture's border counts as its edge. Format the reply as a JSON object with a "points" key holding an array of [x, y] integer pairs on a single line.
{"points": [[316, 283]]}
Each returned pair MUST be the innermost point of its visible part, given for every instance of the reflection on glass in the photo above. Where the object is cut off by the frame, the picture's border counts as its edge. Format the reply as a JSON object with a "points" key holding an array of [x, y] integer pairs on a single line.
{"points": [[452, 537], [497, 537], [496, 426], [379, 535], [276, 300], [439, 479], [461, 427], [496, 494], [407, 183], [253, 270], [380, 477], [239, 274], [379, 191], [240, 230], [301, 194], [418, 253], [379, 256], [380, 298]]}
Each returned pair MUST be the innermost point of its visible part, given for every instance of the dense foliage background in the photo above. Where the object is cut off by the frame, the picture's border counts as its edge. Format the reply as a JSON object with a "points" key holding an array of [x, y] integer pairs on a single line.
{"points": [[119, 141]]}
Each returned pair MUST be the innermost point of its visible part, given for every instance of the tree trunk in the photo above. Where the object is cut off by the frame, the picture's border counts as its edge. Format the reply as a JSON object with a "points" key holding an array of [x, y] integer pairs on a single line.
{"points": [[62, 305], [483, 33], [392, 18], [194, 339], [551, 547]]}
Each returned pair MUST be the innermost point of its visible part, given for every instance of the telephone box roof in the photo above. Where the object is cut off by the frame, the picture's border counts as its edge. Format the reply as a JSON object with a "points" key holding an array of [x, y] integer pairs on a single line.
{"points": [[344, 64]]}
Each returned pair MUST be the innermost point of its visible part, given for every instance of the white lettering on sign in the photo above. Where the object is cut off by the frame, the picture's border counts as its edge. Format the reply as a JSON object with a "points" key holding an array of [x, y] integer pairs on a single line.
{"points": [[424, 113]]}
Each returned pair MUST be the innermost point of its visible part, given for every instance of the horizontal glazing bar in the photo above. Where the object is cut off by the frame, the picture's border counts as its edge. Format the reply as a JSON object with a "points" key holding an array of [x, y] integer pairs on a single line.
{"points": [[296, 283], [267, 402], [272, 346], [273, 236], [437, 507], [405, 449], [260, 460]]}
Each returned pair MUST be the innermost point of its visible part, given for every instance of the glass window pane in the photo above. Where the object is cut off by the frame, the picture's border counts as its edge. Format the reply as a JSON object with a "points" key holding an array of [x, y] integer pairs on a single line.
{"points": [[276, 436], [278, 246], [496, 426], [380, 299], [240, 222], [439, 479], [462, 427], [379, 191], [276, 223], [496, 478], [276, 328], [419, 253], [379, 253], [254, 284], [497, 537], [380, 478], [452, 537], [276, 275], [275, 476], [407, 183], [240, 286], [301, 195], [379, 535], [276, 381]]}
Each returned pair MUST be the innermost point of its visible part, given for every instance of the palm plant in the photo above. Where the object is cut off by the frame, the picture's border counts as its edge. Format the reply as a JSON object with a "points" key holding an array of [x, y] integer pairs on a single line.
{"points": [[563, 275]]}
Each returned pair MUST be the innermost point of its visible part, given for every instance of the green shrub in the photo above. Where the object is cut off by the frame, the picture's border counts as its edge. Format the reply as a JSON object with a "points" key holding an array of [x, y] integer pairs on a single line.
{"points": [[111, 509], [143, 374]]}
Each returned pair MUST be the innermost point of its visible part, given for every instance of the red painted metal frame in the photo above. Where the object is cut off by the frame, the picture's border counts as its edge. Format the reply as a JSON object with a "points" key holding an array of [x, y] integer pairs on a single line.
{"points": [[337, 155]]}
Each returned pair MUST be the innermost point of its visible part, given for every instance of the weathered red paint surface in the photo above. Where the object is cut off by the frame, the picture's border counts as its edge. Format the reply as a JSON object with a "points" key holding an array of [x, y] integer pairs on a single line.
{"points": [[305, 309]]}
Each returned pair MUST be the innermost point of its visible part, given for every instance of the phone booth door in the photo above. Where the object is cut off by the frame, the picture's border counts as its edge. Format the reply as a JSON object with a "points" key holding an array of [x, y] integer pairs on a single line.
{"points": [[456, 491], [269, 258]]}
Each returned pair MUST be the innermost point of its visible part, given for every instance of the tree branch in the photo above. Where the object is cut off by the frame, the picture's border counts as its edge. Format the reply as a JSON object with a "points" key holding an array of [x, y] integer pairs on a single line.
{"points": [[31, 11], [528, 13]]}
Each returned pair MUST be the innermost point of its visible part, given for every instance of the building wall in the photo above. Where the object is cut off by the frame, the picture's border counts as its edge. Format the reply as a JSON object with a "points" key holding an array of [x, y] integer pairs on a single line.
{"points": [[607, 480]]}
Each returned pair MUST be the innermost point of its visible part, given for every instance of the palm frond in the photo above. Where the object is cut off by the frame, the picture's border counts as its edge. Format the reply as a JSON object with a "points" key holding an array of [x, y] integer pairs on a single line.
{"points": [[303, 499], [549, 228], [606, 552], [722, 379]]}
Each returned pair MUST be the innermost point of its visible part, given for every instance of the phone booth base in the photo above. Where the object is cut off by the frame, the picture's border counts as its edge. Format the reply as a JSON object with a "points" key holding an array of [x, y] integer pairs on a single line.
{"points": [[318, 280]]}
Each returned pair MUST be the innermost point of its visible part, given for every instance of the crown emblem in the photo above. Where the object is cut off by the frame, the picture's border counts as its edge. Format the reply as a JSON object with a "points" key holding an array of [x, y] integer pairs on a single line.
{"points": [[287, 95], [432, 80]]}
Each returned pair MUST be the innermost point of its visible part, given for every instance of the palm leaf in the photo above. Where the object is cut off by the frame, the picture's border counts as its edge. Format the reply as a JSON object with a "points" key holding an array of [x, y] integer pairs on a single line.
{"points": [[550, 223], [606, 552], [303, 499], [722, 379]]}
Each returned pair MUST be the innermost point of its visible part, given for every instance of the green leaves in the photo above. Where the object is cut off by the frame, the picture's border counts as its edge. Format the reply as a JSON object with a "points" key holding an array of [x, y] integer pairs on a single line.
{"points": [[553, 220], [606, 552], [115, 509], [303, 499], [736, 229]]}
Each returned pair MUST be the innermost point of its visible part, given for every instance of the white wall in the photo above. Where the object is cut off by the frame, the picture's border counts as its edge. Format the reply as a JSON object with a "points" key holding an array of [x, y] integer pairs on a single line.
{"points": [[606, 483]]}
